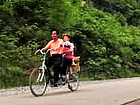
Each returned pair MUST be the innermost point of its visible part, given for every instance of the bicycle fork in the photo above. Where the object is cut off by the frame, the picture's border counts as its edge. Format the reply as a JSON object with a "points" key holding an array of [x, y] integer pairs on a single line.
{"points": [[41, 72]]}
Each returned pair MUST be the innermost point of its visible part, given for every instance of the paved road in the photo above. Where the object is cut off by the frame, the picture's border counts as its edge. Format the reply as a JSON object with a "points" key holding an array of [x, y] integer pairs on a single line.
{"points": [[110, 92]]}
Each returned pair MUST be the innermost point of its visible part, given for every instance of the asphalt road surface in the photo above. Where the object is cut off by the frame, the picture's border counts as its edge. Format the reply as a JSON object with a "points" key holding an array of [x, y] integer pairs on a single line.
{"points": [[106, 92]]}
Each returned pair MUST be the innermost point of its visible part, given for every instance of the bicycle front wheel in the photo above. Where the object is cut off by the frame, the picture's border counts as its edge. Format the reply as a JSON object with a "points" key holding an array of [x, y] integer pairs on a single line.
{"points": [[38, 82], [73, 81]]}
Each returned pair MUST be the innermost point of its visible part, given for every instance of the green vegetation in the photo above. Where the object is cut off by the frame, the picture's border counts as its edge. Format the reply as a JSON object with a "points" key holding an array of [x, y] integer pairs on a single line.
{"points": [[128, 11], [106, 36]]}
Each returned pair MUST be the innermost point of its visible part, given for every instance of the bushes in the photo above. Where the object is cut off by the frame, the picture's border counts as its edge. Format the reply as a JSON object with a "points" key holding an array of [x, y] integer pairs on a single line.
{"points": [[25, 25], [127, 11], [108, 46]]}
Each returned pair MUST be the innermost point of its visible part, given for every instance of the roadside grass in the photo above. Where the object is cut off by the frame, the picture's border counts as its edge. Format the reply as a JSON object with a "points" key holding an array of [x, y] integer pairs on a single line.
{"points": [[86, 76]]}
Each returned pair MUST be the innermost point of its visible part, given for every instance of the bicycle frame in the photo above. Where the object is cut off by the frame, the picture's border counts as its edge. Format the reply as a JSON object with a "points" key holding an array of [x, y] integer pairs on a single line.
{"points": [[43, 67]]}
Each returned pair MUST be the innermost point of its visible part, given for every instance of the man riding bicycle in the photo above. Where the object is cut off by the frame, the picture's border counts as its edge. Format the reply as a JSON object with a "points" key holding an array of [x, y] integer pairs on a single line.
{"points": [[55, 58]]}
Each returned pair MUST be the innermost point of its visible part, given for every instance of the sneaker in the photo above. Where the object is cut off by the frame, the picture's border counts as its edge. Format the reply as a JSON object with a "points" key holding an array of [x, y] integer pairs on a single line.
{"points": [[63, 78], [55, 85]]}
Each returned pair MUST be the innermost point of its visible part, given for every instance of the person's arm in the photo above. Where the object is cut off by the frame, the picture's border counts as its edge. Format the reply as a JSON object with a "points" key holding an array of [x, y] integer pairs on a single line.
{"points": [[70, 50], [48, 46], [45, 48]]}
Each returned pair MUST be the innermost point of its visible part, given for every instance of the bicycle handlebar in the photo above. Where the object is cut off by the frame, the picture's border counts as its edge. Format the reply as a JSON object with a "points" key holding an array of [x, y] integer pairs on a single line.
{"points": [[44, 52]]}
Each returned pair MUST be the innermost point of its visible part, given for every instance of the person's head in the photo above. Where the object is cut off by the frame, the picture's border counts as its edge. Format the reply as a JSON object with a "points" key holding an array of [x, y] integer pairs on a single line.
{"points": [[66, 37], [54, 34]]}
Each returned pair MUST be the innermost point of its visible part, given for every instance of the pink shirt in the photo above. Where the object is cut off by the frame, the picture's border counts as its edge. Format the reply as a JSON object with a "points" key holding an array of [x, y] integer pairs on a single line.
{"points": [[67, 46]]}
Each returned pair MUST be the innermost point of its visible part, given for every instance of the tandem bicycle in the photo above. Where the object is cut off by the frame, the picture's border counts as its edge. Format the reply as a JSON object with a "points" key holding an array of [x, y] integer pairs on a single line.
{"points": [[40, 80]]}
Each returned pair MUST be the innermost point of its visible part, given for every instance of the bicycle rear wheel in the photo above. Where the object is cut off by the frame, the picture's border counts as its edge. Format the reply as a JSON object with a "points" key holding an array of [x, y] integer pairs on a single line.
{"points": [[38, 82], [73, 81]]}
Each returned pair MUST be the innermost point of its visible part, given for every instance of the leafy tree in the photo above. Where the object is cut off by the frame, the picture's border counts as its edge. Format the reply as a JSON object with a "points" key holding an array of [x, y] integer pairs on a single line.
{"points": [[127, 11], [108, 46]]}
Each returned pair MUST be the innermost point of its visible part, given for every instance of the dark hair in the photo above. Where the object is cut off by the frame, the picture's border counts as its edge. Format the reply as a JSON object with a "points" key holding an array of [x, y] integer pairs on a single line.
{"points": [[66, 35], [55, 30]]}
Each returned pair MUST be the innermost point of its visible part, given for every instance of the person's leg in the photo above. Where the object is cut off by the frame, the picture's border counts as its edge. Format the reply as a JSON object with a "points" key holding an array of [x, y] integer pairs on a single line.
{"points": [[64, 67], [49, 63], [67, 62], [57, 63]]}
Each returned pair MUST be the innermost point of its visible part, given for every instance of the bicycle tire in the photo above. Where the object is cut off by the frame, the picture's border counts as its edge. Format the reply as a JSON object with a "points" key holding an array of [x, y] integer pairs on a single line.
{"points": [[73, 81], [37, 85]]}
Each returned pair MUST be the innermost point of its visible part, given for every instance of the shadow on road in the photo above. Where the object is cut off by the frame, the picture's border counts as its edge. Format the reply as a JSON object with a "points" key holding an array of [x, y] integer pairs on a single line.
{"points": [[57, 93], [63, 92]]}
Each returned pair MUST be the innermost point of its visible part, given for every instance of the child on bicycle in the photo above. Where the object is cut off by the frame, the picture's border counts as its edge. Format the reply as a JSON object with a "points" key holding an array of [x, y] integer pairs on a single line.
{"points": [[68, 54]]}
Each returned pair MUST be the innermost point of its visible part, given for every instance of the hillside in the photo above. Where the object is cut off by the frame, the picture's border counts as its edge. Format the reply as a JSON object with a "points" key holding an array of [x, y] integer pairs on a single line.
{"points": [[106, 37]]}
